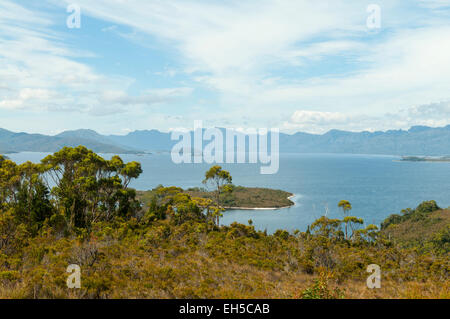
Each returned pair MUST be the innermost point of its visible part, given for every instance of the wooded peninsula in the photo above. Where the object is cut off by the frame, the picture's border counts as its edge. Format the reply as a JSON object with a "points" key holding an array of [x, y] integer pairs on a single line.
{"points": [[239, 198]]}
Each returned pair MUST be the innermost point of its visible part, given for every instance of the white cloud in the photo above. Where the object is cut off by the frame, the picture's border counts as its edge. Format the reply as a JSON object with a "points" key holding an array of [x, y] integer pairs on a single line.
{"points": [[26, 95], [409, 68], [434, 115], [317, 51], [110, 28], [232, 48], [11, 104], [148, 97], [219, 38], [265, 59], [39, 71], [41, 94], [311, 117], [435, 4]]}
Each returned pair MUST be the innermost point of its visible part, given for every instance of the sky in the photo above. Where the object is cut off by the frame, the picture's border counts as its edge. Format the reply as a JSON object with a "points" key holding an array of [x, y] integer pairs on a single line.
{"points": [[301, 65]]}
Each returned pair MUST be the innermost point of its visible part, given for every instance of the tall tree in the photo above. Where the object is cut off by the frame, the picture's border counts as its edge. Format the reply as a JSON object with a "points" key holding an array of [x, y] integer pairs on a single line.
{"points": [[220, 180], [351, 222], [346, 207], [89, 188]]}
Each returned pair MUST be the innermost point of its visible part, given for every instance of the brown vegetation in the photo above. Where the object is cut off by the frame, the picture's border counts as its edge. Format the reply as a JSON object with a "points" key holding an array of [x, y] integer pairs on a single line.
{"points": [[174, 248]]}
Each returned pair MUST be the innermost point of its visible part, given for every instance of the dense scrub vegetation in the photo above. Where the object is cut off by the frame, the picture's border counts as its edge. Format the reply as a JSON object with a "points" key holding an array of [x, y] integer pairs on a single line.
{"points": [[238, 196], [76, 208], [426, 227]]}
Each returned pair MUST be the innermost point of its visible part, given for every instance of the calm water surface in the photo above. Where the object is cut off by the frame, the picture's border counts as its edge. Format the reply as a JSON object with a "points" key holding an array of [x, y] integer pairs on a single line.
{"points": [[377, 186]]}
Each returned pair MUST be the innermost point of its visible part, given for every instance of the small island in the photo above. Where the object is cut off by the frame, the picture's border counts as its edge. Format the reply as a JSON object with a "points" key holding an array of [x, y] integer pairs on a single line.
{"points": [[249, 198], [425, 159], [245, 198]]}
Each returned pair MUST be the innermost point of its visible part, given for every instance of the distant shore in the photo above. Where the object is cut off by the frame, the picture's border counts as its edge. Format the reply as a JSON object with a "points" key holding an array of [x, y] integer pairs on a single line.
{"points": [[425, 159]]}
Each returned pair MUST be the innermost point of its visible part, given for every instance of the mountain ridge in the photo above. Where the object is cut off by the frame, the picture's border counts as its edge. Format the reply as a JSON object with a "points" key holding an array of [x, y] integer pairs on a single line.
{"points": [[11, 142], [418, 140]]}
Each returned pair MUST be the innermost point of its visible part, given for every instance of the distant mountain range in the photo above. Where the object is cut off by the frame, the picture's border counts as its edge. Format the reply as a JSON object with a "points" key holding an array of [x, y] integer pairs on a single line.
{"points": [[419, 140]]}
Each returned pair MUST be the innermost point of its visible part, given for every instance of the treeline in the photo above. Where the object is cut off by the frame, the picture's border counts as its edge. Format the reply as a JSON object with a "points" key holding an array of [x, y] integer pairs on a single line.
{"points": [[68, 191]]}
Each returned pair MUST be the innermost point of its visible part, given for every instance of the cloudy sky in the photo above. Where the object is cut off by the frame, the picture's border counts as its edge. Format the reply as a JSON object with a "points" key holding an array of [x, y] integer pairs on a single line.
{"points": [[301, 65]]}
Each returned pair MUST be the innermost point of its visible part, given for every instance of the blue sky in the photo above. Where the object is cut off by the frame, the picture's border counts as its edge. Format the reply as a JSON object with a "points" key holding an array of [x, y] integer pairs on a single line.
{"points": [[295, 65]]}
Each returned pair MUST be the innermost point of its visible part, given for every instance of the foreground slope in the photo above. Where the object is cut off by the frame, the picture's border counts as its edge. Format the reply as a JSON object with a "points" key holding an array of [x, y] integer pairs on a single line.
{"points": [[176, 248]]}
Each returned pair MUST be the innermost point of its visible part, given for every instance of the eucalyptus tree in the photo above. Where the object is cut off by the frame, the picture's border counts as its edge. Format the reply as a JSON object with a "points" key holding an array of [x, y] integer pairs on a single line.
{"points": [[221, 181], [346, 207], [89, 188]]}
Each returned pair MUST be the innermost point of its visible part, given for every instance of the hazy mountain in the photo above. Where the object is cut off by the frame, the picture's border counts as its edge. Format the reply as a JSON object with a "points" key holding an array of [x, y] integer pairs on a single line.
{"points": [[86, 135], [419, 140], [24, 142], [152, 140]]}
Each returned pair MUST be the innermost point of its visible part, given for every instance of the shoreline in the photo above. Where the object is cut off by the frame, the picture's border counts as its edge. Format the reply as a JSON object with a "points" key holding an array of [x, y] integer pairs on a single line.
{"points": [[262, 208], [274, 197], [425, 159]]}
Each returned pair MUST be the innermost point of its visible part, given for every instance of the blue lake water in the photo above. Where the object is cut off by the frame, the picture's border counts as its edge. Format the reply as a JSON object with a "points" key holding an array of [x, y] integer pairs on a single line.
{"points": [[377, 186]]}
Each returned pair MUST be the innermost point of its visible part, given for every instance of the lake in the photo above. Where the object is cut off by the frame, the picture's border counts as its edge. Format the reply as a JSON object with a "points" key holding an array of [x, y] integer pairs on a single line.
{"points": [[377, 186]]}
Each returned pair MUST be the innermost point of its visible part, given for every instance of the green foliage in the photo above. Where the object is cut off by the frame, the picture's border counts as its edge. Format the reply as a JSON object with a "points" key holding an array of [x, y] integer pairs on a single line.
{"points": [[87, 189], [326, 227], [420, 213], [220, 180], [427, 207], [321, 290], [217, 174], [441, 241], [247, 197], [424, 228], [177, 206], [174, 248], [345, 205]]}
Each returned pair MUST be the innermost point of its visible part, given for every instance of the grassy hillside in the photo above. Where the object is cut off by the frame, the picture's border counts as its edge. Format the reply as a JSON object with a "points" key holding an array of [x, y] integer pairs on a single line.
{"points": [[164, 259], [176, 248], [426, 225]]}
